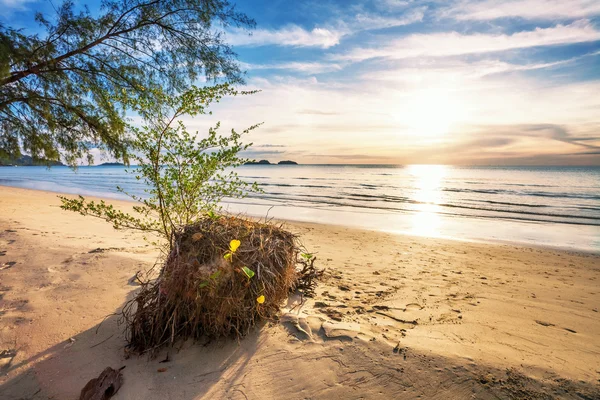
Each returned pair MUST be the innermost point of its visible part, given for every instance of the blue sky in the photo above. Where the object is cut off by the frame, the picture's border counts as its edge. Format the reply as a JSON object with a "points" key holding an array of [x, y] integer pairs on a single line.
{"points": [[401, 82]]}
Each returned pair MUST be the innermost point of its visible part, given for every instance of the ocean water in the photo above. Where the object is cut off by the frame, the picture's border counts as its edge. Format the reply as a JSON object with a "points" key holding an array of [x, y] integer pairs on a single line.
{"points": [[548, 206]]}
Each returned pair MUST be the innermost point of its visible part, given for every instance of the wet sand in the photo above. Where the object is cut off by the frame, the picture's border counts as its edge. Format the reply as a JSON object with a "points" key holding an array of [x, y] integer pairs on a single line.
{"points": [[395, 317]]}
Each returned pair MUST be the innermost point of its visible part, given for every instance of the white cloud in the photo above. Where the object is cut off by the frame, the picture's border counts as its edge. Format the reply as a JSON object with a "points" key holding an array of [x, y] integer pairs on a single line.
{"points": [[387, 119], [369, 21], [7, 7], [454, 43], [528, 9], [443, 70], [323, 37], [291, 35], [306, 67]]}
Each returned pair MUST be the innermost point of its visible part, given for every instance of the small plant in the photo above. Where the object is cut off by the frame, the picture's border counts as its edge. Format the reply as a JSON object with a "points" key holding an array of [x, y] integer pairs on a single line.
{"points": [[233, 246], [185, 177], [207, 286]]}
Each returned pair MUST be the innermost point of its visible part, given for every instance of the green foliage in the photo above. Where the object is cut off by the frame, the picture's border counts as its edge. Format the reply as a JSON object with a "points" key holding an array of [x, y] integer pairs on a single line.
{"points": [[65, 91], [249, 273], [186, 177]]}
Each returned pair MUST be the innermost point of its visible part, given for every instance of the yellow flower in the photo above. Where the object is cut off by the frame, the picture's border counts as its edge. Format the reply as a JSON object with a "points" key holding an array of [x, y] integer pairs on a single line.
{"points": [[233, 245], [260, 299]]}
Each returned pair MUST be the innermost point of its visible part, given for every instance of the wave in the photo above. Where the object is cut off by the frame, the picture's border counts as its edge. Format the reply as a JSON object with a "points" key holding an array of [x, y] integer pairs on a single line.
{"points": [[518, 214], [369, 189]]}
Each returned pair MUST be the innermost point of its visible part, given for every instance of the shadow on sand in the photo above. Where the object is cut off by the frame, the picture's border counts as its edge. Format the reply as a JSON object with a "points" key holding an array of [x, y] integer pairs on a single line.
{"points": [[271, 363], [61, 371]]}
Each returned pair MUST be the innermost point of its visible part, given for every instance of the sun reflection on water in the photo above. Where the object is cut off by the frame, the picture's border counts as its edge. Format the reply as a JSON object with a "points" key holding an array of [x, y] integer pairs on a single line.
{"points": [[427, 181]]}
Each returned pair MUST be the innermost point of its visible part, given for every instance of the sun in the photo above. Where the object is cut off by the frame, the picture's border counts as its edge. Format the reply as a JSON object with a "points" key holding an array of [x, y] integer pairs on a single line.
{"points": [[432, 113]]}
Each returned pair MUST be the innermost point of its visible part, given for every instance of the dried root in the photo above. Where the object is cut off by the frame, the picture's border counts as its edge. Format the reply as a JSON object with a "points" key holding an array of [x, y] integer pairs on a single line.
{"points": [[223, 275]]}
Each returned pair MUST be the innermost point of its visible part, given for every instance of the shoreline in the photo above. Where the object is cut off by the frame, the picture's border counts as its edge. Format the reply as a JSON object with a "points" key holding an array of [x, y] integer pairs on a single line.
{"points": [[395, 316], [490, 241]]}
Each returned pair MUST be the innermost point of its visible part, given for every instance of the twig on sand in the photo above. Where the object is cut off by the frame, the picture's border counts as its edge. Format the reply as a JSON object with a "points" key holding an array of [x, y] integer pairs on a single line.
{"points": [[404, 321], [98, 344]]}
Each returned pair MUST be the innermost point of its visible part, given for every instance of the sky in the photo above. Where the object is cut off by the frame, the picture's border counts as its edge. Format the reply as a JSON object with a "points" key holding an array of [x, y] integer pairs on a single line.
{"points": [[489, 82]]}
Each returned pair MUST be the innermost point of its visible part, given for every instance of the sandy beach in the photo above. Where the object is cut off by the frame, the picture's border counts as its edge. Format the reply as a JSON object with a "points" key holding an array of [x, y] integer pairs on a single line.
{"points": [[395, 317]]}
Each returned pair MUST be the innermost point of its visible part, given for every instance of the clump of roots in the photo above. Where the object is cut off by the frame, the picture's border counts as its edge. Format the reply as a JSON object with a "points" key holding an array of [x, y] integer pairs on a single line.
{"points": [[208, 288]]}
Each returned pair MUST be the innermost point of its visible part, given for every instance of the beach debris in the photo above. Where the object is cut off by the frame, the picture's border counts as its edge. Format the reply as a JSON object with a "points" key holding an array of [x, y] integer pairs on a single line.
{"points": [[223, 276], [166, 360], [6, 358], [104, 386], [404, 321], [162, 370], [135, 280], [308, 275], [544, 323], [105, 249], [7, 265]]}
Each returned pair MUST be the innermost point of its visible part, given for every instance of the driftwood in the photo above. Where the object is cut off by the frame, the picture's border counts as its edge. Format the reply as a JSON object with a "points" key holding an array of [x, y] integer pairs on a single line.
{"points": [[103, 387]]}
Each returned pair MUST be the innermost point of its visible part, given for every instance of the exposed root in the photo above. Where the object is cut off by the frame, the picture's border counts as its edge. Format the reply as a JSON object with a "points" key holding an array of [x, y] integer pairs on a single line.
{"points": [[207, 288]]}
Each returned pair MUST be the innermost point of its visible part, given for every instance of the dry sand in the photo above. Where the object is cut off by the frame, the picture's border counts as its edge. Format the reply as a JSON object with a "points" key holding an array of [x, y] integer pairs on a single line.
{"points": [[396, 317]]}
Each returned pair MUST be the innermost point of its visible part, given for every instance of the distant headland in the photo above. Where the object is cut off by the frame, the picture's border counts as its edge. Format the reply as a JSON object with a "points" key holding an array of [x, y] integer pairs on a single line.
{"points": [[28, 161], [267, 162], [111, 164]]}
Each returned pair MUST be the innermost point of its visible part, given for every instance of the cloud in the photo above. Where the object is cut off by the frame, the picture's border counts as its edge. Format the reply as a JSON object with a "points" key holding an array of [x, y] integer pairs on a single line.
{"points": [[454, 43], [527, 9], [8, 7], [416, 71], [291, 35], [306, 67], [317, 112], [323, 37], [370, 21], [561, 134], [490, 116]]}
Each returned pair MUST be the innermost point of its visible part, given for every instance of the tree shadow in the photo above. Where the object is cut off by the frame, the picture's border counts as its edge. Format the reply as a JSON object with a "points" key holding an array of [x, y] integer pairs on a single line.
{"points": [[266, 365], [185, 371]]}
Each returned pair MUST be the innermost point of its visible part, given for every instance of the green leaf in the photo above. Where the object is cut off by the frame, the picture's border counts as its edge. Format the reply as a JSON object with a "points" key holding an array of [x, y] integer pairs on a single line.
{"points": [[215, 275], [203, 284], [306, 256], [249, 273]]}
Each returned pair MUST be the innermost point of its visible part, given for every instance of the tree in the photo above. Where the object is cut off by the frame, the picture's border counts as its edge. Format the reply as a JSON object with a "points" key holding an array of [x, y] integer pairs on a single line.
{"points": [[185, 178], [67, 91]]}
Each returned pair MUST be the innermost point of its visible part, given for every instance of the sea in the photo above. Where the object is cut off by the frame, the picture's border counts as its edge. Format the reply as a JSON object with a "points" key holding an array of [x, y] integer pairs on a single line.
{"points": [[540, 206]]}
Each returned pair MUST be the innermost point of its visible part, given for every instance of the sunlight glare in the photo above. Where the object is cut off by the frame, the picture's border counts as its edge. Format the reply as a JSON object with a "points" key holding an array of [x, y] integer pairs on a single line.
{"points": [[427, 184], [432, 113]]}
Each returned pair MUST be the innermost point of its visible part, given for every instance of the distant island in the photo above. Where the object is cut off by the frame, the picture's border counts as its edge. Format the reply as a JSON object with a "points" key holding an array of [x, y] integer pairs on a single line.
{"points": [[111, 164], [28, 161], [261, 162], [267, 162]]}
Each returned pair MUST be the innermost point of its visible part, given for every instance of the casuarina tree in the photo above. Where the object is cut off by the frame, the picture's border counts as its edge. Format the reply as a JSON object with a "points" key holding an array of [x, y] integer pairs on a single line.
{"points": [[66, 91]]}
